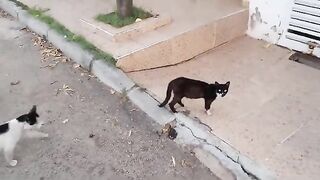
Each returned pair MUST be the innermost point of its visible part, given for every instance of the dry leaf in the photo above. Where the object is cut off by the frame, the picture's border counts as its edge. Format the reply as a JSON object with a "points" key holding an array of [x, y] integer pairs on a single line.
{"points": [[53, 82], [75, 66], [58, 91], [67, 89], [173, 161], [65, 121], [14, 83], [185, 163], [48, 52], [267, 45]]}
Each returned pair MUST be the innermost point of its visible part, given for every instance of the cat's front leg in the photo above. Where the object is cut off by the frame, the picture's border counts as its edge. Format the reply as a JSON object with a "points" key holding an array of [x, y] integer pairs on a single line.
{"points": [[35, 134], [8, 154], [208, 105]]}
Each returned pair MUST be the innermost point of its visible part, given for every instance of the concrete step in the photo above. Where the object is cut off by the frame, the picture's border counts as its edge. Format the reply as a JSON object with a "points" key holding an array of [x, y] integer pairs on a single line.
{"points": [[186, 45]]}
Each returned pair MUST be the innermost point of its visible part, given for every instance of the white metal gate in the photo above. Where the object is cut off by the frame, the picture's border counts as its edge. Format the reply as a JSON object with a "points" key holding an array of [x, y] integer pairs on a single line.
{"points": [[303, 27]]}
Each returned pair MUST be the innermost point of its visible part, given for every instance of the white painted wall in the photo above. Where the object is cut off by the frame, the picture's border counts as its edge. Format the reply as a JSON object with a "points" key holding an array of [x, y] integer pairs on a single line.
{"points": [[268, 19]]}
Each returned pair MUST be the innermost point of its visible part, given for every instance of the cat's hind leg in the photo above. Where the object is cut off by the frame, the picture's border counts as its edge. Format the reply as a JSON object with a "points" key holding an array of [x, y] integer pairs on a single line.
{"points": [[8, 154], [174, 101], [181, 104]]}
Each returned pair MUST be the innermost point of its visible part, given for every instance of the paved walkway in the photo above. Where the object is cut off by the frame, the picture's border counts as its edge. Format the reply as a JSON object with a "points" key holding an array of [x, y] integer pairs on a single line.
{"points": [[70, 152], [272, 111]]}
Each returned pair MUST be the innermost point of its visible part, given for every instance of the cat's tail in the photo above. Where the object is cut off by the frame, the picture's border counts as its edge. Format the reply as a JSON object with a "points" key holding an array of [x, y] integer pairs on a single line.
{"points": [[168, 96]]}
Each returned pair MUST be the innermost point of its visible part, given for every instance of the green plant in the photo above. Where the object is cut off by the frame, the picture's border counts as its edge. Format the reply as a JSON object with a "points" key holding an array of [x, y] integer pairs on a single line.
{"points": [[115, 20]]}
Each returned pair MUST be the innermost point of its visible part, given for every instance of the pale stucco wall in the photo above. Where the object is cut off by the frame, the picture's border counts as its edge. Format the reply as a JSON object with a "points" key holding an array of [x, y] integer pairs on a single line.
{"points": [[268, 19]]}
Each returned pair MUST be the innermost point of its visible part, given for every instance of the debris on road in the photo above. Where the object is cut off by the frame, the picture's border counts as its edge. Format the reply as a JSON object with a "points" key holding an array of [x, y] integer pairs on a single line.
{"points": [[49, 52], [75, 65], [66, 89], [76, 140], [24, 29], [51, 65], [267, 45], [172, 134], [169, 131], [112, 91], [185, 163], [58, 91], [15, 83], [4, 14], [130, 132], [173, 161], [53, 82], [65, 121], [91, 135]]}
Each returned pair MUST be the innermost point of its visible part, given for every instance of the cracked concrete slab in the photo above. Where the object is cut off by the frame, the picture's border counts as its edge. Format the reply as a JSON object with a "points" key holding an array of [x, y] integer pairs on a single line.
{"points": [[269, 111]]}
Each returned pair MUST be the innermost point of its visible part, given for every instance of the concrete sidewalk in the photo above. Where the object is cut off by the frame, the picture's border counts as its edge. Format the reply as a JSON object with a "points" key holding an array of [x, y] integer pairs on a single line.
{"points": [[271, 108], [271, 113]]}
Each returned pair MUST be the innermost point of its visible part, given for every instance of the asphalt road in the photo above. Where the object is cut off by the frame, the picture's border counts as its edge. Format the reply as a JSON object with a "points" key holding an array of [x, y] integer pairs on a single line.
{"points": [[93, 132]]}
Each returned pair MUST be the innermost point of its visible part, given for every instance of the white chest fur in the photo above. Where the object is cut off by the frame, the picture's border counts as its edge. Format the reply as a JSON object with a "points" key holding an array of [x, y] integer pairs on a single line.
{"points": [[13, 135]]}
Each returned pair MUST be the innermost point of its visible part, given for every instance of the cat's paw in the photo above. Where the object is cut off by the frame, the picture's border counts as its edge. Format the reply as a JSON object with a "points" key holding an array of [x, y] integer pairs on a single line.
{"points": [[13, 163], [208, 112]]}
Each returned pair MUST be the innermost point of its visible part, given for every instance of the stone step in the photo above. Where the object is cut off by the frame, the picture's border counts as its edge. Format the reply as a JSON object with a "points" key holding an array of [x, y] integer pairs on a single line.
{"points": [[186, 45]]}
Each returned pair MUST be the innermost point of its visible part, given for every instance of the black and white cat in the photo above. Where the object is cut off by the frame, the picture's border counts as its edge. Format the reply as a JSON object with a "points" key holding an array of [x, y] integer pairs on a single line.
{"points": [[12, 131], [194, 89]]}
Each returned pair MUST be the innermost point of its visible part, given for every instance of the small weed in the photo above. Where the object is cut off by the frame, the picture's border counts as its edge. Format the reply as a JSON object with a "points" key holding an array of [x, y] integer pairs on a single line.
{"points": [[124, 95], [115, 20], [124, 92]]}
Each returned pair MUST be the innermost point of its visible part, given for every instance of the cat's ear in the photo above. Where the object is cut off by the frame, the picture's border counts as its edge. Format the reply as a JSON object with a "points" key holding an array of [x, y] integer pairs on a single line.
{"points": [[34, 110], [228, 83], [216, 83]]}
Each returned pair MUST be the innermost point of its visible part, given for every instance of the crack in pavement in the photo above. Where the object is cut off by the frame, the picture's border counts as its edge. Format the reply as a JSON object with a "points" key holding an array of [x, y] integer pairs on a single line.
{"points": [[252, 176]]}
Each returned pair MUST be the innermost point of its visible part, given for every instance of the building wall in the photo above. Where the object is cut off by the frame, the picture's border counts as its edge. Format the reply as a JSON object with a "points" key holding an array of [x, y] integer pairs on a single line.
{"points": [[268, 19]]}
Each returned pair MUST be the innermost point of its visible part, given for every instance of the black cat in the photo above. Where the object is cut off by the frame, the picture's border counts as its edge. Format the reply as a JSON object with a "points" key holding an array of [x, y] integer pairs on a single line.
{"points": [[194, 89]]}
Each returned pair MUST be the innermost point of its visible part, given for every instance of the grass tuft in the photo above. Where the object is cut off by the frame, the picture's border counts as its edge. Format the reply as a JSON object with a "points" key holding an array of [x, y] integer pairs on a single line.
{"points": [[115, 20]]}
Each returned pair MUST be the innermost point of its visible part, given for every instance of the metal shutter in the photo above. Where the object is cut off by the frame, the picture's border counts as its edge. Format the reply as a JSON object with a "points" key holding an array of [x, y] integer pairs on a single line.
{"points": [[303, 31]]}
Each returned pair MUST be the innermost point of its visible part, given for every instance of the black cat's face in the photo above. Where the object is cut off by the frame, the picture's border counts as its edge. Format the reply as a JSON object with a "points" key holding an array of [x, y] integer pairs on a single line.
{"points": [[30, 119], [222, 89]]}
